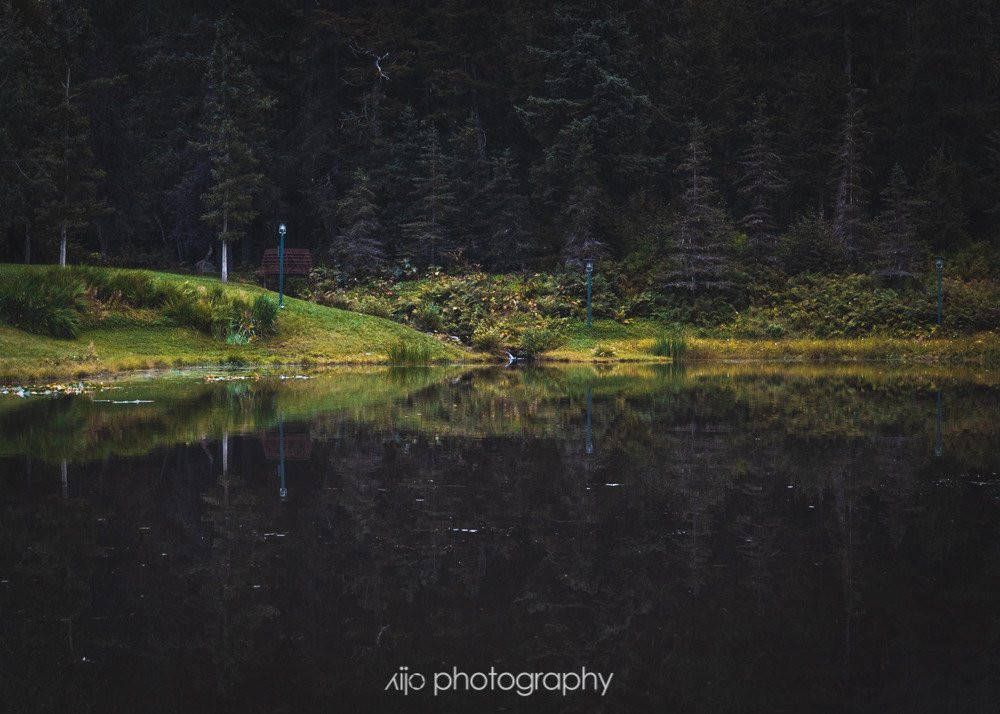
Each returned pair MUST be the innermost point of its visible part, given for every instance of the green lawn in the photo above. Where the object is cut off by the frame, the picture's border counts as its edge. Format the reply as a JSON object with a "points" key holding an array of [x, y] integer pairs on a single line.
{"points": [[307, 333]]}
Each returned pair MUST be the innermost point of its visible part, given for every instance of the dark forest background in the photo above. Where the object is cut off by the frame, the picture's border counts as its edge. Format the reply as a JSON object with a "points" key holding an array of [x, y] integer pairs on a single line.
{"points": [[822, 134]]}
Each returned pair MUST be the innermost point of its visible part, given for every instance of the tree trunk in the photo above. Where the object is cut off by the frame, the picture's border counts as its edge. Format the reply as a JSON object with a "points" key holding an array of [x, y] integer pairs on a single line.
{"points": [[62, 227], [225, 246], [62, 245], [27, 243], [103, 243]]}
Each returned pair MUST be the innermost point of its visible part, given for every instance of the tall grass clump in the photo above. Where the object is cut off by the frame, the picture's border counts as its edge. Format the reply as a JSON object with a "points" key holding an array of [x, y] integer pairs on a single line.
{"points": [[49, 302], [125, 287], [187, 306], [264, 314], [403, 352], [536, 340], [671, 345]]}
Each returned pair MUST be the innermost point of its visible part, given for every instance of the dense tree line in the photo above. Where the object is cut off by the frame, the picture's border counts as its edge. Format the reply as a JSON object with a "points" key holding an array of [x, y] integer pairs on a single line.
{"points": [[704, 135]]}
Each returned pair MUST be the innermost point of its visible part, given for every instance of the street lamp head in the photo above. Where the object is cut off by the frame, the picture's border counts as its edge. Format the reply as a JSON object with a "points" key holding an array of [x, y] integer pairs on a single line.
{"points": [[938, 263], [590, 266], [281, 228]]}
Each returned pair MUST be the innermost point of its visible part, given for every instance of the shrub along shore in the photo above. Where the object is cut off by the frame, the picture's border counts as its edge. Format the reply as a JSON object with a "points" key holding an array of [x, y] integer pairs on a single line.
{"points": [[800, 317], [86, 321]]}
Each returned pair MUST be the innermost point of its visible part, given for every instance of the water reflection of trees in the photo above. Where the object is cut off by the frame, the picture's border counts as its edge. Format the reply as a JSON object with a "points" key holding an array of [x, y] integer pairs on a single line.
{"points": [[763, 539]]}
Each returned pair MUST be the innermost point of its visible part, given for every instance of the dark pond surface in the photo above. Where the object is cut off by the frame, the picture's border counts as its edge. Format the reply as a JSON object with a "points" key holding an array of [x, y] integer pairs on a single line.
{"points": [[721, 538]]}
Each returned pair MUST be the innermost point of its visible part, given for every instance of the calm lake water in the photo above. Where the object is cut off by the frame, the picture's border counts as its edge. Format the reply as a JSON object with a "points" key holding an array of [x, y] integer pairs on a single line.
{"points": [[722, 538]]}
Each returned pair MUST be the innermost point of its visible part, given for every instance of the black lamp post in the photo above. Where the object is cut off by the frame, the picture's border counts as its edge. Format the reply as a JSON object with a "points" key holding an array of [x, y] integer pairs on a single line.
{"points": [[281, 265], [590, 270]]}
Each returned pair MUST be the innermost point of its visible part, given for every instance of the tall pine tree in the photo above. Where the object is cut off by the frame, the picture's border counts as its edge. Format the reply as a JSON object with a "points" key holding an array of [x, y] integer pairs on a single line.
{"points": [[359, 247], [428, 233], [20, 111], [897, 246], [508, 237], [849, 203], [67, 185], [234, 110], [591, 122], [943, 221], [699, 251], [470, 174], [761, 184]]}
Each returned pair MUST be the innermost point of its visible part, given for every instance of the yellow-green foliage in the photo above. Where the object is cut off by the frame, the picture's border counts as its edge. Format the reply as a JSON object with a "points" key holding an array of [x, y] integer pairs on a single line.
{"points": [[493, 311], [522, 313], [857, 305]]}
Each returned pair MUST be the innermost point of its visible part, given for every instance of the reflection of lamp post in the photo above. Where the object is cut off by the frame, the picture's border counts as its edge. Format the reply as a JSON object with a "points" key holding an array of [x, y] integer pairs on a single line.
{"points": [[939, 263], [590, 270], [937, 430], [282, 491], [590, 438], [281, 265]]}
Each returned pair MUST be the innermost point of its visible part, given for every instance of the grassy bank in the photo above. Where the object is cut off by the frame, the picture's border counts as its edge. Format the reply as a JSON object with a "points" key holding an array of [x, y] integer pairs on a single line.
{"points": [[637, 341], [133, 320], [119, 332], [977, 349]]}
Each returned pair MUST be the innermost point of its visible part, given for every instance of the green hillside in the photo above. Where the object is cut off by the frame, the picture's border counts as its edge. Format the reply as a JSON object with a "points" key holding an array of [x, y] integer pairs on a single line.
{"points": [[116, 334]]}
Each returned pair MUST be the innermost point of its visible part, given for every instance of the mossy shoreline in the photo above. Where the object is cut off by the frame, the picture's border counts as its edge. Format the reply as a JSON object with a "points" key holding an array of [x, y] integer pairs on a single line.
{"points": [[118, 339], [67, 363]]}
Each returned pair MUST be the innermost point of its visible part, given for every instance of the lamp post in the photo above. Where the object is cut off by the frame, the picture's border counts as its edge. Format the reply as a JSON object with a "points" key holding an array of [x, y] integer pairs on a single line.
{"points": [[590, 270], [281, 265], [939, 263]]}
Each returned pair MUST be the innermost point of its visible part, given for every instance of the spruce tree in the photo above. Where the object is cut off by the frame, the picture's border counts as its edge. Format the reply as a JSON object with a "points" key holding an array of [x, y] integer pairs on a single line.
{"points": [[699, 250], [993, 154], [897, 247], [360, 247], [943, 222], [761, 185], [581, 206], [811, 245], [20, 111], [849, 208], [233, 111], [429, 230], [470, 174], [591, 122], [392, 177], [66, 188], [508, 216]]}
